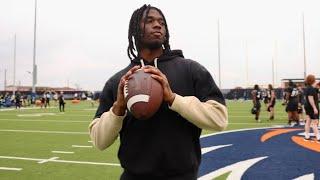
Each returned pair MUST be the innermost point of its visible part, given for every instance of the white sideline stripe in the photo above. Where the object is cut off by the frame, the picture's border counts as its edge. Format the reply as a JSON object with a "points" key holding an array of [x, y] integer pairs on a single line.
{"points": [[47, 160], [89, 141], [137, 98], [60, 161], [80, 146], [62, 152], [42, 120], [36, 131], [10, 169]]}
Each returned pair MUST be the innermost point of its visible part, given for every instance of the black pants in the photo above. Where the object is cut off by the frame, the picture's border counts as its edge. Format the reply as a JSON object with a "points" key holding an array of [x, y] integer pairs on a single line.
{"points": [[61, 104], [186, 176]]}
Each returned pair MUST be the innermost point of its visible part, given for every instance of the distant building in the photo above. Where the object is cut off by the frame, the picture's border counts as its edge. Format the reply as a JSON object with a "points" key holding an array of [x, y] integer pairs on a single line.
{"points": [[285, 82], [68, 92], [40, 89]]}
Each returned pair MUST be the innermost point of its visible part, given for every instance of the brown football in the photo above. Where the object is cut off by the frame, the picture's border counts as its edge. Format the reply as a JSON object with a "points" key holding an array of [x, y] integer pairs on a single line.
{"points": [[143, 95]]}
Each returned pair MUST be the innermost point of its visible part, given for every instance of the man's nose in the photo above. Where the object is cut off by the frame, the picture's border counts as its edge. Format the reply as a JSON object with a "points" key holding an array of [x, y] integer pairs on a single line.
{"points": [[157, 25]]}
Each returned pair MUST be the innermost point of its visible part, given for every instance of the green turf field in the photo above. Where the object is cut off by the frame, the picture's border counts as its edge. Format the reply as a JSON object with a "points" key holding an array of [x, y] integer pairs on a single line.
{"points": [[31, 137]]}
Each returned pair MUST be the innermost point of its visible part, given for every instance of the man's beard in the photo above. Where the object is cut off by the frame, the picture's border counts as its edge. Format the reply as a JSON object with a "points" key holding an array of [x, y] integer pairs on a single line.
{"points": [[152, 45]]}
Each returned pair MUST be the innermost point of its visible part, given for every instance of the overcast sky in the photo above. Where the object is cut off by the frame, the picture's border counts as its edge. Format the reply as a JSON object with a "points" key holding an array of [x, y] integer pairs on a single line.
{"points": [[83, 42]]}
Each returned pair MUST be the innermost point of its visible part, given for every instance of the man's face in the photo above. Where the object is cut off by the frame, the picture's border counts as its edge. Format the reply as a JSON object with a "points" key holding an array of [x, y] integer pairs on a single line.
{"points": [[154, 30]]}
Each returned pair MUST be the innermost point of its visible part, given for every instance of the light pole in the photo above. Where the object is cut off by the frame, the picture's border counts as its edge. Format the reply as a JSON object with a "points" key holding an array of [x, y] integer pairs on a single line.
{"points": [[304, 49], [5, 79], [34, 66], [219, 62], [14, 65]]}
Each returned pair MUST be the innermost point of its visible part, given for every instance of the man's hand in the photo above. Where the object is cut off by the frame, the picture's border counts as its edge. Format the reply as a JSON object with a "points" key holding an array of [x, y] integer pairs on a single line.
{"points": [[168, 95], [119, 106]]}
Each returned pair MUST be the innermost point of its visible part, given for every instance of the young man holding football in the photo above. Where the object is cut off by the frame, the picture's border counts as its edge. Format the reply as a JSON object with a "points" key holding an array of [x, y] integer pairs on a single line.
{"points": [[167, 145]]}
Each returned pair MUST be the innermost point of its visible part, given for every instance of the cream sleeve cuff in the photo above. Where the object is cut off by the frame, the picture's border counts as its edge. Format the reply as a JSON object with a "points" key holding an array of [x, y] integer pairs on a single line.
{"points": [[210, 115], [104, 130]]}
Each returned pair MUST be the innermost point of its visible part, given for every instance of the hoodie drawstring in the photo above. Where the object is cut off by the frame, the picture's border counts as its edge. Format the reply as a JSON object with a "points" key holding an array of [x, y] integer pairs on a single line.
{"points": [[155, 63], [142, 63]]}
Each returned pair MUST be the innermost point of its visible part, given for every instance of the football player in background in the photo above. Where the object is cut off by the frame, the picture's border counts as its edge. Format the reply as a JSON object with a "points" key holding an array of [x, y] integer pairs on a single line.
{"points": [[301, 109], [292, 100], [271, 101], [256, 97]]}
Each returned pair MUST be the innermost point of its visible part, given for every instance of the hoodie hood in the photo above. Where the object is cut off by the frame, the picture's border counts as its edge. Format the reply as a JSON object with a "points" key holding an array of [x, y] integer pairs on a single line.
{"points": [[166, 56]]}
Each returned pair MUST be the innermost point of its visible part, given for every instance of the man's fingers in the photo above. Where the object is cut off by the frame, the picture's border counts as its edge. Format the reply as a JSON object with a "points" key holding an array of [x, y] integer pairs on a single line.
{"points": [[121, 84], [134, 69], [127, 76], [152, 70], [130, 72], [160, 79]]}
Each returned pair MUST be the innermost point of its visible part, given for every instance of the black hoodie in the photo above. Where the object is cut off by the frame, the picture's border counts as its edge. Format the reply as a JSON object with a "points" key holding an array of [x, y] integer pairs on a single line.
{"points": [[166, 144]]}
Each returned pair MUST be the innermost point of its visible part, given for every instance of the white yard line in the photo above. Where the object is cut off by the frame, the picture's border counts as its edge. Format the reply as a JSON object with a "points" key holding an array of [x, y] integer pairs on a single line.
{"points": [[38, 131], [10, 169], [80, 146], [89, 141], [47, 160], [43, 120], [56, 115], [86, 162], [60, 161], [76, 115], [24, 108], [6, 109], [63, 152]]}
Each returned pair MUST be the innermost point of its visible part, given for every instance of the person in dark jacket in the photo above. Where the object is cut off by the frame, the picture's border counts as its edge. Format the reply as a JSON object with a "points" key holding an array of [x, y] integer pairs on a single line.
{"points": [[167, 145], [61, 102], [311, 108], [18, 100]]}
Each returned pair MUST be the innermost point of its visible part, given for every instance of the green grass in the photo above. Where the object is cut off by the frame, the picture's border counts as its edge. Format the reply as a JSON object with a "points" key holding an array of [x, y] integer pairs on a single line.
{"points": [[38, 145]]}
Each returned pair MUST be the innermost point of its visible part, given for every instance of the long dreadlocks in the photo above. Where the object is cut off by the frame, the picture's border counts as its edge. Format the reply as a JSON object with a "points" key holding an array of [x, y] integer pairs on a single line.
{"points": [[135, 33]]}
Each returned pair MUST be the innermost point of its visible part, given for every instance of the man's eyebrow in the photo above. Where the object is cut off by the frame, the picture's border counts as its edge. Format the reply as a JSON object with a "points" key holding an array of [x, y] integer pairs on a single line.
{"points": [[153, 17]]}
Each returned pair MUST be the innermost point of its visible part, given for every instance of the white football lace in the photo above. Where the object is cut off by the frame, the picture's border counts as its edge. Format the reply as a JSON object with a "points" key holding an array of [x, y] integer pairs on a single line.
{"points": [[125, 89]]}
